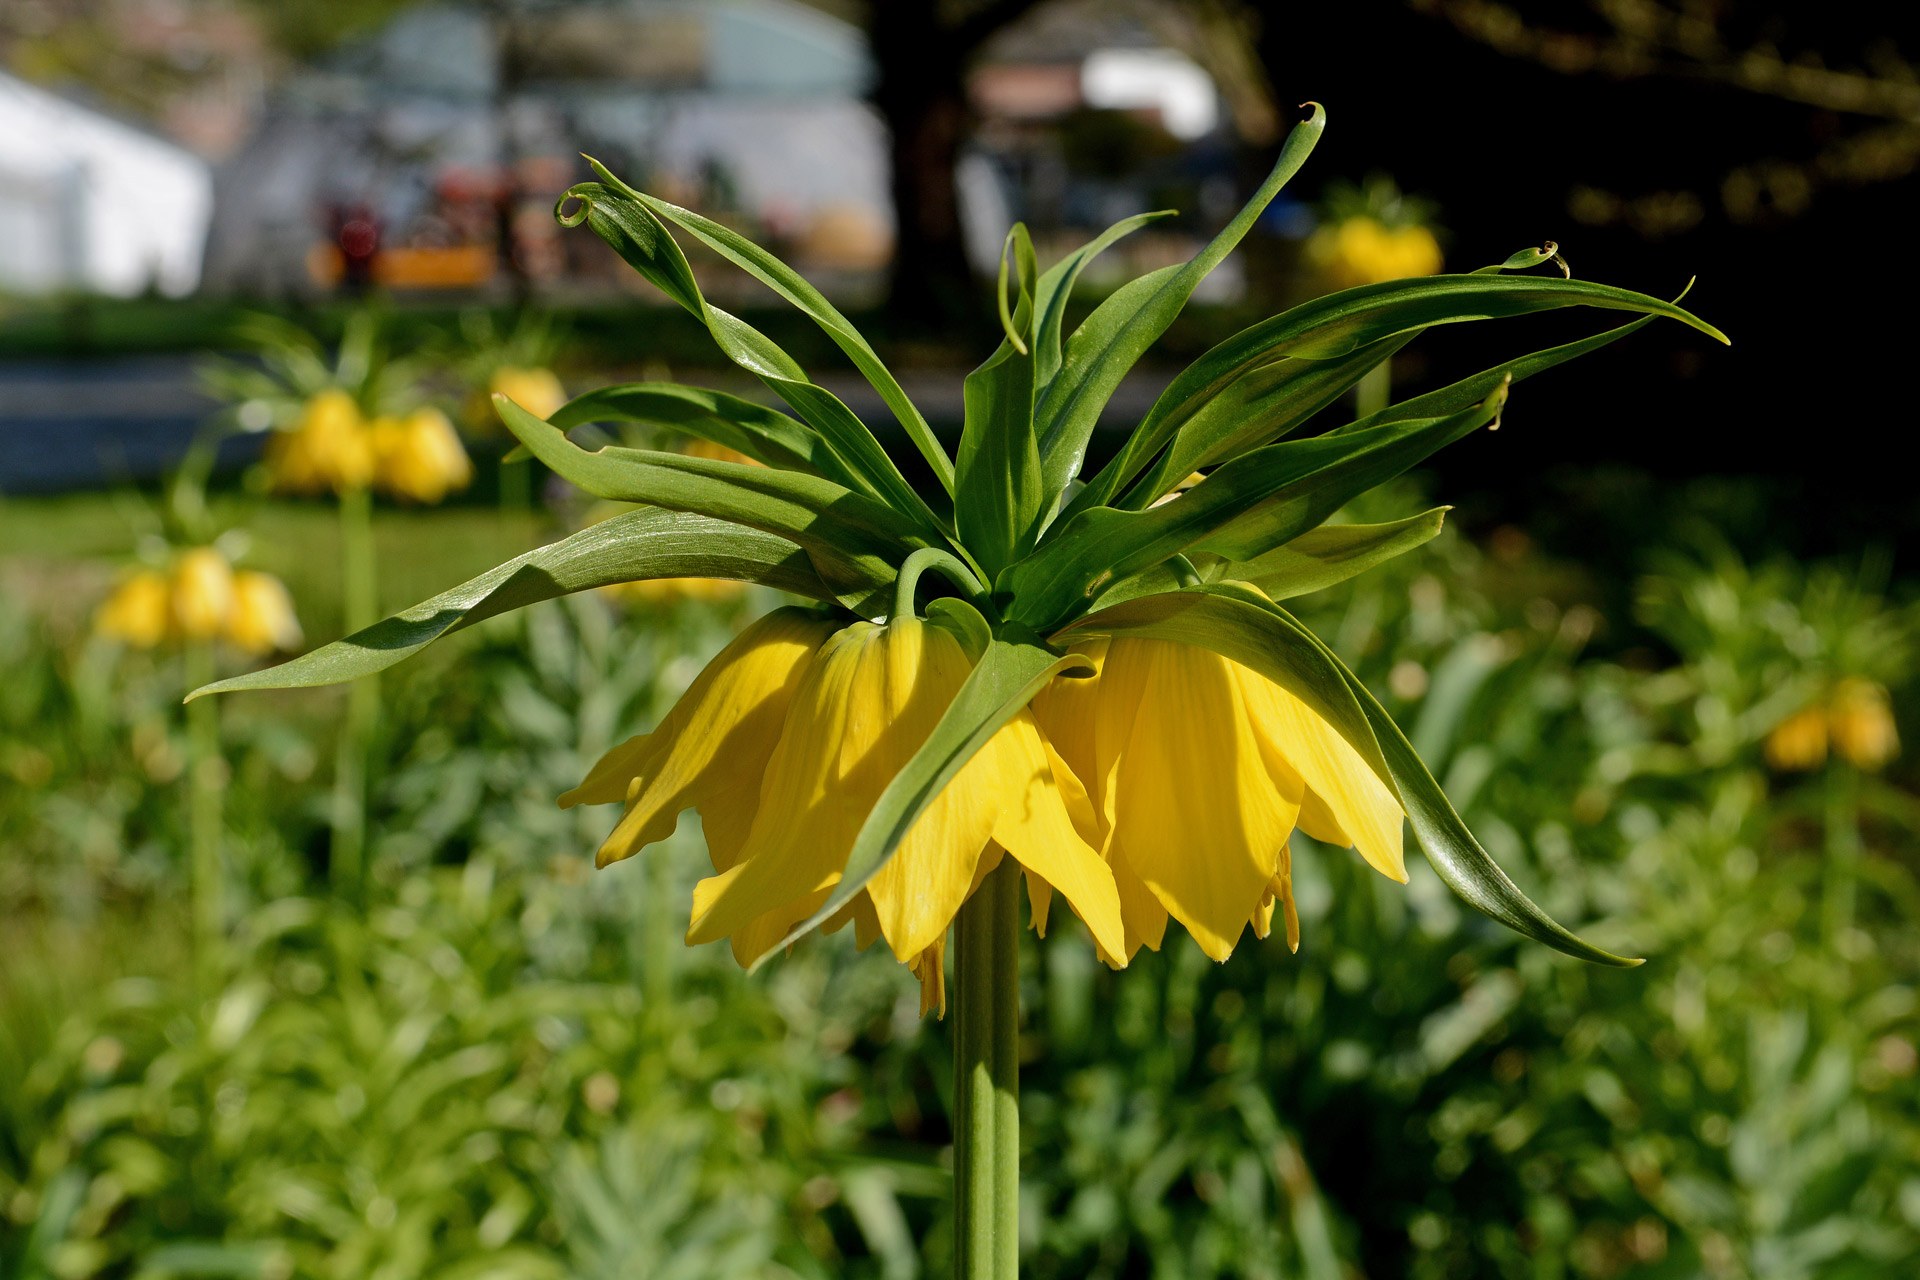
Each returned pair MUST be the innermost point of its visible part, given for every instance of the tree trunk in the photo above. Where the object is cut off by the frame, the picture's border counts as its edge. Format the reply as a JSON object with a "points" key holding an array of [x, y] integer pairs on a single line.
{"points": [[921, 93]]}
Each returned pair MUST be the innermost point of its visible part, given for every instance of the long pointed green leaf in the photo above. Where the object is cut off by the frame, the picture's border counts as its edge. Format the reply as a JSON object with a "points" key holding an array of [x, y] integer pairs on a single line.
{"points": [[1121, 329], [625, 221], [1339, 324], [1458, 395], [763, 434], [1244, 508], [792, 286], [1011, 671], [998, 493], [854, 540], [629, 547], [1259, 407], [1056, 290], [1237, 623], [1332, 553]]}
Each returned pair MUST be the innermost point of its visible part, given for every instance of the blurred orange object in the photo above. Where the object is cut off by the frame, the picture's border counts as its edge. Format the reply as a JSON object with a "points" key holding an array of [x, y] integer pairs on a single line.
{"points": [[433, 267]]}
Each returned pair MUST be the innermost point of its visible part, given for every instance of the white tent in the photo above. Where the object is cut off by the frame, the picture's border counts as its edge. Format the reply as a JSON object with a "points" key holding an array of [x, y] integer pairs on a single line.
{"points": [[89, 203]]}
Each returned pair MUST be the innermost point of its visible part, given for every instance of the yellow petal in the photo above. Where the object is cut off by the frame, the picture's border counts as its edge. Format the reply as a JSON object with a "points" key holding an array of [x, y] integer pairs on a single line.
{"points": [[1033, 824], [1141, 914], [1039, 901], [712, 749], [1200, 812], [919, 890], [930, 966], [1352, 806], [820, 782]]}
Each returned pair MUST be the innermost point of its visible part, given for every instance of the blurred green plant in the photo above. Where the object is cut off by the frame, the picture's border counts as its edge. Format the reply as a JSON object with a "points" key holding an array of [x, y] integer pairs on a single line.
{"points": [[1413, 1095]]}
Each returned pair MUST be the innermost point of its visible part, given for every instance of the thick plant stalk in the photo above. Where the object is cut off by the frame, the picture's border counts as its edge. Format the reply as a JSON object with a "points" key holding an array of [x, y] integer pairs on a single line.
{"points": [[1840, 877], [359, 590], [986, 1078], [206, 787]]}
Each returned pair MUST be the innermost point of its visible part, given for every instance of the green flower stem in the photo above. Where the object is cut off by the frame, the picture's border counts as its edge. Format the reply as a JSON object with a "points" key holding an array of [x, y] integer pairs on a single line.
{"points": [[1840, 876], [1374, 391], [949, 567], [359, 591], [986, 1080], [206, 785]]}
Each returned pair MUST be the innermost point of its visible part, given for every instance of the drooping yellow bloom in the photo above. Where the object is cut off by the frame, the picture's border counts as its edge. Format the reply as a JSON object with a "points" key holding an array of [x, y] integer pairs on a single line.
{"points": [[139, 610], [1363, 250], [262, 620], [1854, 718], [202, 594], [537, 390], [1199, 770], [789, 738], [711, 749], [419, 457], [1799, 742], [1860, 719], [327, 450]]}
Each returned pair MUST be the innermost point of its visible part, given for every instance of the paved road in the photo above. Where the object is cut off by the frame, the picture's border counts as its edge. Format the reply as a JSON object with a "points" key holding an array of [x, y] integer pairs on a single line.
{"points": [[71, 424], [76, 424]]}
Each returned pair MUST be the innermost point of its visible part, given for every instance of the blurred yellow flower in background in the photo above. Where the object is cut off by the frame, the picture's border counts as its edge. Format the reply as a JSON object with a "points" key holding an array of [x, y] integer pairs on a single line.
{"points": [[200, 597], [1198, 770], [202, 600], [666, 591], [263, 619], [1799, 742], [1860, 722], [419, 457], [328, 449], [1854, 719], [138, 611], [537, 390], [1363, 250]]}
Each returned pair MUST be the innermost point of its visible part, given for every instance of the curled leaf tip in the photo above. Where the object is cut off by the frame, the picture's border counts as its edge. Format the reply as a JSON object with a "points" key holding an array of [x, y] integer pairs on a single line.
{"points": [[572, 217], [1006, 309]]}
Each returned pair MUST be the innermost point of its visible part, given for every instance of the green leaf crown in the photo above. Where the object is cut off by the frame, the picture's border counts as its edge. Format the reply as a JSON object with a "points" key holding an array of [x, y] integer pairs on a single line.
{"points": [[1042, 553]]}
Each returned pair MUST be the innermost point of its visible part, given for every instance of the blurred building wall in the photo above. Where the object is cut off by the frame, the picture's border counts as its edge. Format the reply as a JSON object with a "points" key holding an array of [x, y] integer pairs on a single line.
{"points": [[88, 203]]}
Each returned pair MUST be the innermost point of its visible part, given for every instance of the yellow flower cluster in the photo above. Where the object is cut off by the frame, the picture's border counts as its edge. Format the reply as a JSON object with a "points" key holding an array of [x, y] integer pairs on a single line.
{"points": [[1363, 250], [1166, 786], [1854, 720], [201, 597], [332, 448]]}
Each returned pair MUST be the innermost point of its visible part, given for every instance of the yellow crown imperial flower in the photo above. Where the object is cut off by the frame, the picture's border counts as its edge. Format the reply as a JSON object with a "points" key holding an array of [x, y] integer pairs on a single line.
{"points": [[202, 596], [896, 762], [327, 449], [262, 620], [536, 390], [419, 457], [138, 612]]}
